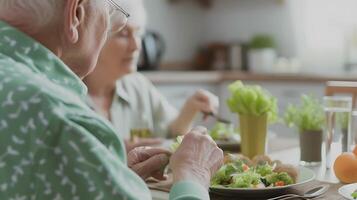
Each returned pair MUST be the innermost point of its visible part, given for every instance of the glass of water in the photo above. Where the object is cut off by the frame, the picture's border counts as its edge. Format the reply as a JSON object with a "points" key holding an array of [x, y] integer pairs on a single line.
{"points": [[338, 127], [353, 136]]}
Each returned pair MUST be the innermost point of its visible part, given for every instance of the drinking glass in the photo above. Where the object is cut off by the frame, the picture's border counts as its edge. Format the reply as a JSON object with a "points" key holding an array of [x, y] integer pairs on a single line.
{"points": [[338, 127], [353, 136]]}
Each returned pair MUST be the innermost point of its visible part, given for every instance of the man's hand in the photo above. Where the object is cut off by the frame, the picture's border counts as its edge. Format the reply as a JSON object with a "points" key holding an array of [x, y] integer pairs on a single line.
{"points": [[140, 142], [149, 162], [197, 158]]}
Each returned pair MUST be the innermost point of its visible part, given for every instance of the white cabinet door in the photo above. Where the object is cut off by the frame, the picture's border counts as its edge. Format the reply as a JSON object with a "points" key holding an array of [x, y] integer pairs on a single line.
{"points": [[178, 93]]}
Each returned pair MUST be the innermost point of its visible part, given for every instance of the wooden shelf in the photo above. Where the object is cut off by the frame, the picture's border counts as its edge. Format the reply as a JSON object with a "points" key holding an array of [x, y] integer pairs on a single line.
{"points": [[220, 76], [203, 3], [208, 3]]}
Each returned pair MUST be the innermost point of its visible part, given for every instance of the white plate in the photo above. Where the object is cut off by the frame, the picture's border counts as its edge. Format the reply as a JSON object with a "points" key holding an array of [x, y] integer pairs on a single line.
{"points": [[347, 190], [305, 175]]}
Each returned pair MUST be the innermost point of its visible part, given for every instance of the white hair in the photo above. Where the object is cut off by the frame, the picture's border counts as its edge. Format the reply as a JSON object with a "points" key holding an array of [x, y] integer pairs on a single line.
{"points": [[137, 11], [30, 14]]}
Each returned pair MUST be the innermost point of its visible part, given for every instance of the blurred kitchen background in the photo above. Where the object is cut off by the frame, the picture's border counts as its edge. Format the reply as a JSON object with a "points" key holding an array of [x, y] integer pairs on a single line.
{"points": [[290, 47]]}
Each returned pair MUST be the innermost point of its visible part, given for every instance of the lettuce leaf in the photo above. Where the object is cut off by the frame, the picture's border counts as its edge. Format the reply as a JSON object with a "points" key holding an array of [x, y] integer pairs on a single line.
{"points": [[222, 131], [354, 195], [177, 143], [252, 100], [264, 170], [245, 180], [282, 176], [308, 116]]}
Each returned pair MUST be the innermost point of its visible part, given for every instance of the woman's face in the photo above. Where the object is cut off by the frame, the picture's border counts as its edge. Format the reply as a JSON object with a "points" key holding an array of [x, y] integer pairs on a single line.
{"points": [[121, 51]]}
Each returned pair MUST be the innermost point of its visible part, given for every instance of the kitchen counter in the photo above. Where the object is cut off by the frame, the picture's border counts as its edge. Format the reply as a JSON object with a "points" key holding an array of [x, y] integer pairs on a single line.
{"points": [[221, 76]]}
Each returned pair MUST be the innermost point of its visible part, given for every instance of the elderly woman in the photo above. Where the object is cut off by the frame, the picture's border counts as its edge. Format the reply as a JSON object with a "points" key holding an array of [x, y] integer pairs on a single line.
{"points": [[127, 98], [52, 145]]}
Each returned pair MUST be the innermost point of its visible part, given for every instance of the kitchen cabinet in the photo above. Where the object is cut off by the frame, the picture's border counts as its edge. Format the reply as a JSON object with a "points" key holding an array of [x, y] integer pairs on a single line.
{"points": [[178, 93], [208, 3], [204, 3]]}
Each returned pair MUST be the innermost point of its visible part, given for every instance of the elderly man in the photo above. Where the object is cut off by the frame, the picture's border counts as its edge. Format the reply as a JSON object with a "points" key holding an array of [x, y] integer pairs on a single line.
{"points": [[52, 146]]}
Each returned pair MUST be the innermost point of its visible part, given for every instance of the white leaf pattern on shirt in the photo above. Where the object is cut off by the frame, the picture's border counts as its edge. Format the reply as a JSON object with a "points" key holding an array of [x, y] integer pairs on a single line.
{"points": [[25, 115], [3, 124], [8, 101], [29, 126], [82, 159], [42, 119], [85, 175], [17, 140]]}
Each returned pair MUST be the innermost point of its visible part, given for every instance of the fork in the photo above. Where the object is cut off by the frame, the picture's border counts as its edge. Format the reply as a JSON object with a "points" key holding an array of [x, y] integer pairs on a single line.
{"points": [[287, 196], [293, 196], [218, 118], [310, 194]]}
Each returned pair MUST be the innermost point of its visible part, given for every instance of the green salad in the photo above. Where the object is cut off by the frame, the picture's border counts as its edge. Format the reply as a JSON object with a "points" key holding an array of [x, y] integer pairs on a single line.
{"points": [[354, 195], [238, 174], [222, 131], [176, 143]]}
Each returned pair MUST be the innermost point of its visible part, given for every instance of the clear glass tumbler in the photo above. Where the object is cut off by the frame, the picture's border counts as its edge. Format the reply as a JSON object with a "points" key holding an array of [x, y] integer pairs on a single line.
{"points": [[338, 127], [353, 136]]}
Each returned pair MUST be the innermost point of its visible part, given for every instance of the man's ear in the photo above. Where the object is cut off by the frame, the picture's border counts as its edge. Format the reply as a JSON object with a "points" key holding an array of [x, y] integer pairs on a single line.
{"points": [[73, 17]]}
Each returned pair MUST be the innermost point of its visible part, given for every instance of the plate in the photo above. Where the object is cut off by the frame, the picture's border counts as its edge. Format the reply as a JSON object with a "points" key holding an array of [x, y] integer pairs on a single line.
{"points": [[347, 190], [232, 144], [305, 175]]}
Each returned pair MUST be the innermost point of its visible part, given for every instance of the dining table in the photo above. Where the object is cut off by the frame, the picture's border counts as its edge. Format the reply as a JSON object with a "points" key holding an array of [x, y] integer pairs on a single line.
{"points": [[288, 153]]}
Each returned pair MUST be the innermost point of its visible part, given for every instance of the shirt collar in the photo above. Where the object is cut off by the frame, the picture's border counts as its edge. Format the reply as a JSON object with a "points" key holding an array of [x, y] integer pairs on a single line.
{"points": [[38, 58], [122, 92]]}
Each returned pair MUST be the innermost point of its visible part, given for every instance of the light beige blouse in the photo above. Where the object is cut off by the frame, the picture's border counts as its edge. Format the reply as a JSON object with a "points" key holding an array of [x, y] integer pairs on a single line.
{"points": [[137, 104]]}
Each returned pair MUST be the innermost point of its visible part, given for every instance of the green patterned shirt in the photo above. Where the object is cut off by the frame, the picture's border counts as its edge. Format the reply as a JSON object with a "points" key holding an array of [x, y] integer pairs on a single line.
{"points": [[52, 145]]}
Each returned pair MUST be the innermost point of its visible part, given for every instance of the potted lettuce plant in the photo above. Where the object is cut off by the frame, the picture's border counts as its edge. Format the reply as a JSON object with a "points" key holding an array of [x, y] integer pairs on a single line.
{"points": [[309, 119], [255, 107], [262, 54]]}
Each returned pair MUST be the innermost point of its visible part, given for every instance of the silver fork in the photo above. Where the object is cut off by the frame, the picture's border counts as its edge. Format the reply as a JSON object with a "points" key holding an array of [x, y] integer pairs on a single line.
{"points": [[310, 194], [287, 196], [293, 196]]}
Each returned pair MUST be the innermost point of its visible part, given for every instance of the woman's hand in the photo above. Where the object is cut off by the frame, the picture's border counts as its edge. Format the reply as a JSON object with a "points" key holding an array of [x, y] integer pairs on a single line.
{"points": [[197, 158], [149, 162], [202, 101]]}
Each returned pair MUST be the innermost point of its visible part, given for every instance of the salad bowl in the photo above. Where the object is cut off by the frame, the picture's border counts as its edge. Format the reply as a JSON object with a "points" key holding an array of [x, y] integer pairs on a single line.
{"points": [[305, 176]]}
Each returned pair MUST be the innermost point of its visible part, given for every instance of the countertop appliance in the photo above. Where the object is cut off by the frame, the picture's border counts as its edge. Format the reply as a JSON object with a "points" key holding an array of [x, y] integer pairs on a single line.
{"points": [[153, 48]]}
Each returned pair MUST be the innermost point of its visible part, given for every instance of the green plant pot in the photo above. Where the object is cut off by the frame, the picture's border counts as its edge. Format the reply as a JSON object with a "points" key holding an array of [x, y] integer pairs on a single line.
{"points": [[310, 147], [253, 131]]}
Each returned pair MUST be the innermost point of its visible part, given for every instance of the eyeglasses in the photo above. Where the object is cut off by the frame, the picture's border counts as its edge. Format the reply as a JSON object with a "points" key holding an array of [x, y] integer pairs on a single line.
{"points": [[115, 7], [118, 14]]}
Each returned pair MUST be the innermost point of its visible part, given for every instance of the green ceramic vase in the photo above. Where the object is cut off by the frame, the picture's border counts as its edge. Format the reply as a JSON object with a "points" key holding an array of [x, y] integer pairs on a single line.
{"points": [[253, 131]]}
